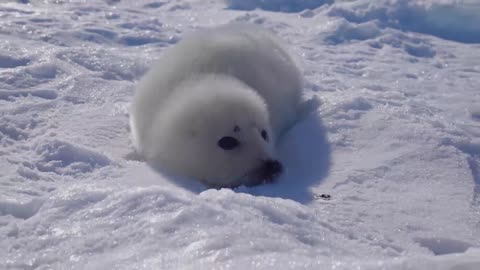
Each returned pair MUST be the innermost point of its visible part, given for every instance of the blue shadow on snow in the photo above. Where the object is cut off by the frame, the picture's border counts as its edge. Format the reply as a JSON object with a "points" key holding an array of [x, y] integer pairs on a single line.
{"points": [[305, 153]]}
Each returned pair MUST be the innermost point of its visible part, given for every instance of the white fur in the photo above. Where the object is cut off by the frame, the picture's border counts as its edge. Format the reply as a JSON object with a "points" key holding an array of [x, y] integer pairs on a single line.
{"points": [[210, 82]]}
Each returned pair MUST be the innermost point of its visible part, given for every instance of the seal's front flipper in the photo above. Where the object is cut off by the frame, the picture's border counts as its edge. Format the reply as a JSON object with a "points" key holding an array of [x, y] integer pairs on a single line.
{"points": [[304, 110], [308, 107]]}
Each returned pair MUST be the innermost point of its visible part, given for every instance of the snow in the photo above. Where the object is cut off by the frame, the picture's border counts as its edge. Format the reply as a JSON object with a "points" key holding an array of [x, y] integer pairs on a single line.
{"points": [[276, 5], [394, 141], [453, 20]]}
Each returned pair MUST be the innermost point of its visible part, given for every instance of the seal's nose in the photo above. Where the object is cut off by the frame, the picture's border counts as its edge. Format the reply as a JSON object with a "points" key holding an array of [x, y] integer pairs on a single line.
{"points": [[271, 169], [266, 173]]}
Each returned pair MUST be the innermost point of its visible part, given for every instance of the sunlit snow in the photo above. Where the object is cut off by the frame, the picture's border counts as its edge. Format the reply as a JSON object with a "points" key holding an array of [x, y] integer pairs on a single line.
{"points": [[395, 141]]}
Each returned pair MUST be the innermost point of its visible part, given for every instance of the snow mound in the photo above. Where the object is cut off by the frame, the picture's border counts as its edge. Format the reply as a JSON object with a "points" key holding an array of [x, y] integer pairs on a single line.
{"points": [[453, 20], [149, 226], [103, 62], [7, 61], [466, 261], [43, 93], [442, 246], [276, 5], [65, 158], [346, 31], [20, 210]]}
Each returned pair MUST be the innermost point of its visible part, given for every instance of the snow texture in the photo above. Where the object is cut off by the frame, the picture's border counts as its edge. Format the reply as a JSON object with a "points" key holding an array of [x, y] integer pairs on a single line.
{"points": [[384, 174], [276, 5]]}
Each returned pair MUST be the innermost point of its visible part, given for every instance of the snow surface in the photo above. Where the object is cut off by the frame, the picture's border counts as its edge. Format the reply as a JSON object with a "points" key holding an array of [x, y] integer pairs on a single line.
{"points": [[395, 141]]}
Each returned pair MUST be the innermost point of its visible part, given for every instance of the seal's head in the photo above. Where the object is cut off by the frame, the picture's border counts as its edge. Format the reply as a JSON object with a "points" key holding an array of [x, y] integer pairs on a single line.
{"points": [[217, 130]]}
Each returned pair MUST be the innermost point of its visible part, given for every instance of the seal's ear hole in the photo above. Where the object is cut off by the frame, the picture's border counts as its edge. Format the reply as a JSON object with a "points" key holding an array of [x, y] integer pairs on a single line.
{"points": [[228, 143], [236, 129], [264, 135]]}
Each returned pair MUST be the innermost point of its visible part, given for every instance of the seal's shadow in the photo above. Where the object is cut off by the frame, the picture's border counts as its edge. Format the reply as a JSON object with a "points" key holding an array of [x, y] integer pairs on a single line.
{"points": [[305, 153]]}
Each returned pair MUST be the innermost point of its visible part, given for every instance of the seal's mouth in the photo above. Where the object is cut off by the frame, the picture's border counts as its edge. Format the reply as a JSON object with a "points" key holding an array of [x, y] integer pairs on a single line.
{"points": [[266, 173]]}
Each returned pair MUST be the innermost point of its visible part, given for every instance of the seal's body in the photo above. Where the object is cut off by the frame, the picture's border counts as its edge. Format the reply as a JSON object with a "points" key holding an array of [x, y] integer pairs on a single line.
{"points": [[214, 104]]}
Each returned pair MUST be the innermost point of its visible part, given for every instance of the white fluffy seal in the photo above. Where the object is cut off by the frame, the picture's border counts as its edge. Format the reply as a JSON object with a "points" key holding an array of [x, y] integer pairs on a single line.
{"points": [[213, 106]]}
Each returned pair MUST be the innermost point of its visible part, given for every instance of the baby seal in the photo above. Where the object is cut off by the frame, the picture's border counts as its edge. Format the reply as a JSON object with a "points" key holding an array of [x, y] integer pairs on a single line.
{"points": [[213, 106]]}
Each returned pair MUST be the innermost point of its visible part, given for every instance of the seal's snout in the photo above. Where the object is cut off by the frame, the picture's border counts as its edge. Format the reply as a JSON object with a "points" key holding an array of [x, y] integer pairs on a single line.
{"points": [[269, 170], [266, 173]]}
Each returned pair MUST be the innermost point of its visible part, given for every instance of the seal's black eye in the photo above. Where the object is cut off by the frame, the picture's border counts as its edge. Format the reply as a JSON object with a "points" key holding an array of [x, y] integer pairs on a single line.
{"points": [[264, 135], [228, 143]]}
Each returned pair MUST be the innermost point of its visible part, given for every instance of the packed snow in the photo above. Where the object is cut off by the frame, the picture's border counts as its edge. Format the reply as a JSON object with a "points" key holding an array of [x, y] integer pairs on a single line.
{"points": [[383, 174]]}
